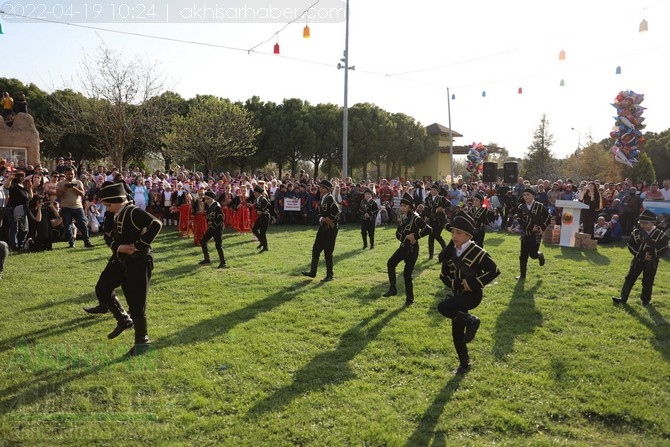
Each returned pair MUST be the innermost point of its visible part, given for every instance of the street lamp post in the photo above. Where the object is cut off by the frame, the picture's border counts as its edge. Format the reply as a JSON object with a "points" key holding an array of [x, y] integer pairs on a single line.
{"points": [[345, 114], [451, 140], [579, 144]]}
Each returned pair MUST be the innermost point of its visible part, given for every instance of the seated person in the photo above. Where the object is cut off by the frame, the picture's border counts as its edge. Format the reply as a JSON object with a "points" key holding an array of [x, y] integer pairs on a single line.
{"points": [[515, 227]]}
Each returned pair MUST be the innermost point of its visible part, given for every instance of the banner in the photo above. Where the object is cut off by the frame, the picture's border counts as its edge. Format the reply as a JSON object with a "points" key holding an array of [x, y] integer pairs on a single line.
{"points": [[291, 204]]}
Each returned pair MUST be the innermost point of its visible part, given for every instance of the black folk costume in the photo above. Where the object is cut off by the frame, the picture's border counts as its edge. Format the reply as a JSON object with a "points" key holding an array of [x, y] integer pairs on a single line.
{"points": [[482, 217], [132, 272], [260, 227], [367, 213], [214, 216], [646, 248], [530, 216], [326, 234], [435, 210], [408, 224], [473, 265]]}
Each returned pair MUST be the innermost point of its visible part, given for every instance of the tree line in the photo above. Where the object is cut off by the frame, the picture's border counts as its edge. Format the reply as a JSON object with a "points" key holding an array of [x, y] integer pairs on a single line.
{"points": [[121, 113]]}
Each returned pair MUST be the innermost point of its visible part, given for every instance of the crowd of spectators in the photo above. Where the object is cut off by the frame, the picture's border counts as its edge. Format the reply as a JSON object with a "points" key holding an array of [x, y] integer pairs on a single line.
{"points": [[612, 206]]}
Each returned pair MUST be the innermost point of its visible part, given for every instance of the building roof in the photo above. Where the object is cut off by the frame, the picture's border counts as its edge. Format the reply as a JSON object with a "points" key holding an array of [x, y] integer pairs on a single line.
{"points": [[440, 130]]}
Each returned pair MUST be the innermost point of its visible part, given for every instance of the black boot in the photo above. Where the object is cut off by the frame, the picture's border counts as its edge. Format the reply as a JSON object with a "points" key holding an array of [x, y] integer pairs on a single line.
{"points": [[222, 259], [123, 320], [471, 325], [99, 309], [312, 271], [365, 242], [329, 269], [392, 291], [522, 269], [205, 255], [540, 257]]}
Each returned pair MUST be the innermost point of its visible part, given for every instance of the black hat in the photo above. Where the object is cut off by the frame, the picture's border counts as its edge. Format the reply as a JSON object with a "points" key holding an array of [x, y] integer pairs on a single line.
{"points": [[259, 189], [112, 192], [326, 184], [435, 185], [210, 194], [647, 216], [407, 199], [464, 222], [479, 196], [367, 190], [529, 191]]}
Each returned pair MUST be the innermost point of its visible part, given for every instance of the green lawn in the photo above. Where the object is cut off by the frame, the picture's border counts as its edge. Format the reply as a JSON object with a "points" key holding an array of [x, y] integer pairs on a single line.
{"points": [[258, 355]]}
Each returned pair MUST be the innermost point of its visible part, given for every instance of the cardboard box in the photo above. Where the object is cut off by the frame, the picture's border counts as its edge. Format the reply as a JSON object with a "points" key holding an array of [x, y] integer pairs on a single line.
{"points": [[589, 244]]}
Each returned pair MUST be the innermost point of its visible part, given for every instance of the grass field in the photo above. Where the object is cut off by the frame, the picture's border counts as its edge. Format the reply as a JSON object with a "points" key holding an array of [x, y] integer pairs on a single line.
{"points": [[258, 355]]}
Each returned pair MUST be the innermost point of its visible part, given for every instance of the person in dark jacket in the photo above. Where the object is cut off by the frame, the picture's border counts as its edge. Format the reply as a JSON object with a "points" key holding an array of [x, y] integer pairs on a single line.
{"points": [[466, 269]]}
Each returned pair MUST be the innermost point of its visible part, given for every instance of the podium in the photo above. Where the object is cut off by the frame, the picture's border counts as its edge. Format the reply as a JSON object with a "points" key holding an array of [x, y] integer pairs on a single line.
{"points": [[572, 210]]}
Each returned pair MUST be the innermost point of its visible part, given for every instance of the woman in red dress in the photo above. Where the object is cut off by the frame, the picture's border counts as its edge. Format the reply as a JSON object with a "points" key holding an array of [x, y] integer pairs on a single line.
{"points": [[183, 203], [199, 217]]}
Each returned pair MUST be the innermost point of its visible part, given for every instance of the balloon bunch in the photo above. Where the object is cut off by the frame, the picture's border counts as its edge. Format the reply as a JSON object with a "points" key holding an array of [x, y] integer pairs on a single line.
{"points": [[476, 157], [627, 132]]}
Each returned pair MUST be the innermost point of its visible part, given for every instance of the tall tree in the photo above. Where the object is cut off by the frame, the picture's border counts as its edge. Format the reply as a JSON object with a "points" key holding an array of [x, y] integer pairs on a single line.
{"points": [[323, 120], [369, 130], [657, 147], [213, 129], [119, 115], [540, 163], [592, 162], [641, 171]]}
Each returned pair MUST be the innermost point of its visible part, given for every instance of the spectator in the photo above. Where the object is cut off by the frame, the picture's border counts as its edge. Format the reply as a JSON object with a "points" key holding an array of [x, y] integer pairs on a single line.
{"points": [[631, 210], [20, 104], [71, 192], [7, 105], [654, 193], [666, 190]]}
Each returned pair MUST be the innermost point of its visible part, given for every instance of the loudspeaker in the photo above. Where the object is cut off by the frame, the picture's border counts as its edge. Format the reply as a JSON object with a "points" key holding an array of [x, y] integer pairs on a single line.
{"points": [[510, 172], [490, 172]]}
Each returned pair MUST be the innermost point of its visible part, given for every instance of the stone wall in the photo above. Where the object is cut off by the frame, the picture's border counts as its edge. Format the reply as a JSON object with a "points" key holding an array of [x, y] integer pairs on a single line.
{"points": [[22, 134]]}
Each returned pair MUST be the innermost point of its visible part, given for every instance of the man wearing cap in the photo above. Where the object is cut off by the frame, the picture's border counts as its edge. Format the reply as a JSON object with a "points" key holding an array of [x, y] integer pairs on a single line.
{"points": [[533, 219], [262, 222], [466, 269], [368, 211], [327, 232], [482, 217], [436, 211], [411, 227], [129, 232], [214, 230], [647, 244]]}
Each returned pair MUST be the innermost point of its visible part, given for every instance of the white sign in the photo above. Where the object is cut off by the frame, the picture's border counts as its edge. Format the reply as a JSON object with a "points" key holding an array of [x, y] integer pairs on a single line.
{"points": [[291, 204]]}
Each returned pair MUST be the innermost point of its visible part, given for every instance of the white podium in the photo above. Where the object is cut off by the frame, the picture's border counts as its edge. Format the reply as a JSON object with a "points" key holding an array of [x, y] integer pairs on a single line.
{"points": [[572, 210]]}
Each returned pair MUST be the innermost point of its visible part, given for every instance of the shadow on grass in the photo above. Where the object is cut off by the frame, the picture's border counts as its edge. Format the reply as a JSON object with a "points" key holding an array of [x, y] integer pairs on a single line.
{"points": [[328, 368], [32, 337], [577, 254], [425, 432], [658, 326], [520, 317], [46, 385], [207, 329]]}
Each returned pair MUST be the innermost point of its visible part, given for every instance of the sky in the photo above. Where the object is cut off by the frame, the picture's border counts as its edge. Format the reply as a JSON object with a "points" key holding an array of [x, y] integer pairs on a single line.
{"points": [[406, 56]]}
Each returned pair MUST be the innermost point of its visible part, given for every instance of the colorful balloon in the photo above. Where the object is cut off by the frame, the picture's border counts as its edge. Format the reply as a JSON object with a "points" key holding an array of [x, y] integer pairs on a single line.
{"points": [[627, 132]]}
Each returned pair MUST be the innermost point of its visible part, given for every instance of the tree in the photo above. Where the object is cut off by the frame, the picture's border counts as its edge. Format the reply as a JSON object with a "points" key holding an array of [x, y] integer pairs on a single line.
{"points": [[369, 132], [591, 163], [119, 114], [540, 163], [324, 122], [657, 147], [641, 171], [212, 130]]}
